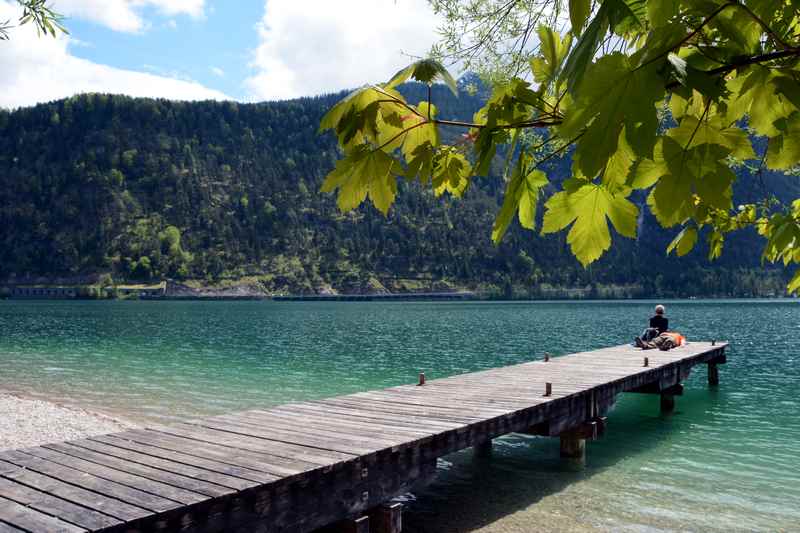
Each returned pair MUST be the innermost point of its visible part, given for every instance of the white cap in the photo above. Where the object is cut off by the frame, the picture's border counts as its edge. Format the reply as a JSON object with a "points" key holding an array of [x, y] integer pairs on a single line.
{"points": [[659, 309]]}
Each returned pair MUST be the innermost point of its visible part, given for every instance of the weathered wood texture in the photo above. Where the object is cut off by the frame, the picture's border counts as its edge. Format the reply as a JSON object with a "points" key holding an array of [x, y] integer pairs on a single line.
{"points": [[301, 466]]}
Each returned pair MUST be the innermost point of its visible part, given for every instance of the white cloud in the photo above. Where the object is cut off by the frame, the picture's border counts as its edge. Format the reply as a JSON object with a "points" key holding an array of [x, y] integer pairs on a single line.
{"points": [[38, 69], [218, 72], [328, 46], [125, 15]]}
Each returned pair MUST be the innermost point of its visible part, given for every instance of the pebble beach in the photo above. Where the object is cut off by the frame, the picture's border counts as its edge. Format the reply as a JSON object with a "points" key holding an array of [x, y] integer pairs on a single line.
{"points": [[28, 422]]}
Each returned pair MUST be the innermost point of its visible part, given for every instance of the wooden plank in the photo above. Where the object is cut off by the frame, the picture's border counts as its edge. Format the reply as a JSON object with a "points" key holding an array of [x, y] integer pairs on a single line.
{"points": [[325, 451], [289, 454], [329, 420], [425, 423], [236, 436], [48, 504], [328, 450], [278, 426], [475, 410], [29, 519], [253, 463], [345, 435], [323, 442], [90, 482], [97, 454], [8, 528], [401, 410], [157, 488], [501, 396], [218, 472], [99, 502]]}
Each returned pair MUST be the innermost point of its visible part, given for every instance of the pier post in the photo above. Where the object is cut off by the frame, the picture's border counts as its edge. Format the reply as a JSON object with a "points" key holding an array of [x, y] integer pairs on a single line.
{"points": [[667, 403], [573, 447], [713, 368], [713, 374], [387, 518], [357, 525], [483, 448]]}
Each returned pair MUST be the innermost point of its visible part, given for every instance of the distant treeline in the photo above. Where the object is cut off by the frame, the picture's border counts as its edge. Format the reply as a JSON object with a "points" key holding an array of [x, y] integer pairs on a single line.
{"points": [[148, 189]]}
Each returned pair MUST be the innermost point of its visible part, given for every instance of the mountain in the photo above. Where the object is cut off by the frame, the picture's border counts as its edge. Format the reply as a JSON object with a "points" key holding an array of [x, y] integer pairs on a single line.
{"points": [[220, 193]]}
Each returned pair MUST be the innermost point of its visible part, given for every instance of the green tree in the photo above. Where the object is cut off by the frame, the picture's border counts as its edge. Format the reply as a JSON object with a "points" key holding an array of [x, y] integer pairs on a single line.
{"points": [[656, 96]]}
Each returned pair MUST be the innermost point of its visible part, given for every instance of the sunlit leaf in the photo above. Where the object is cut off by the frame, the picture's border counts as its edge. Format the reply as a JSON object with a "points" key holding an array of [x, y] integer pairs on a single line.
{"points": [[683, 242], [693, 78], [581, 56], [521, 198], [794, 283], [578, 14], [419, 130], [365, 172], [425, 71], [553, 52], [692, 133], [451, 174], [659, 12], [613, 96], [588, 210]]}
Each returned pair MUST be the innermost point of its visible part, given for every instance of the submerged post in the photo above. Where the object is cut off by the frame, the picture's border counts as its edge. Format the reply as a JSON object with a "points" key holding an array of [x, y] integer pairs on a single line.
{"points": [[387, 518], [573, 447], [713, 368], [357, 525], [713, 374], [667, 403]]}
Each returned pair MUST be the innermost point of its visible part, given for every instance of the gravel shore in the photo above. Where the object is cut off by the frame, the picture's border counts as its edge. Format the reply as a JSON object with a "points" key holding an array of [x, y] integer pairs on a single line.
{"points": [[27, 422]]}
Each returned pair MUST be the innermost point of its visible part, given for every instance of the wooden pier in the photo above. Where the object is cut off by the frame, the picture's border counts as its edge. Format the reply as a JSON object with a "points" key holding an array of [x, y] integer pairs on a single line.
{"points": [[336, 462]]}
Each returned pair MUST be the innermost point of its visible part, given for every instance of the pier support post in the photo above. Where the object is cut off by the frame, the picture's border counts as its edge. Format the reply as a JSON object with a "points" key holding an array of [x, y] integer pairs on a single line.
{"points": [[357, 525], [667, 403], [573, 447], [713, 374], [387, 518], [483, 448], [713, 369]]}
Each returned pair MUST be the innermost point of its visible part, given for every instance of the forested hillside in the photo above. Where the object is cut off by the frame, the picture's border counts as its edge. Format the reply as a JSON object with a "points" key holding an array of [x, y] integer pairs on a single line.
{"points": [[146, 189]]}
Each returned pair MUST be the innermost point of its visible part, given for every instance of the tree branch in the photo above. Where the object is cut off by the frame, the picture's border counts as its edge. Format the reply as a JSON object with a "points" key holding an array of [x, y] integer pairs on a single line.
{"points": [[689, 36], [762, 58]]}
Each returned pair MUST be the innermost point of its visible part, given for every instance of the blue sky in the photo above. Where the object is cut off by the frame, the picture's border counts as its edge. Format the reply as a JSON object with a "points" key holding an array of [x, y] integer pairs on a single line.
{"points": [[247, 50], [181, 45]]}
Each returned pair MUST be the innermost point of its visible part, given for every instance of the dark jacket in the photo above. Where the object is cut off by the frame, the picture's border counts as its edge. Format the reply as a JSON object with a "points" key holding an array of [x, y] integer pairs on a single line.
{"points": [[660, 322]]}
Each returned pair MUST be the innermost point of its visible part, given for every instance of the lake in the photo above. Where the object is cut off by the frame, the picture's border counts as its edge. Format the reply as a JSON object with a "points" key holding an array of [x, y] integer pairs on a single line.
{"points": [[726, 460]]}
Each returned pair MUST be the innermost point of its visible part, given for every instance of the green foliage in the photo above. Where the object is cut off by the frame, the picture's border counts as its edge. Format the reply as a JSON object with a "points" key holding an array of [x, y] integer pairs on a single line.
{"points": [[44, 18], [586, 207], [683, 242], [364, 172], [653, 95], [521, 198], [424, 71]]}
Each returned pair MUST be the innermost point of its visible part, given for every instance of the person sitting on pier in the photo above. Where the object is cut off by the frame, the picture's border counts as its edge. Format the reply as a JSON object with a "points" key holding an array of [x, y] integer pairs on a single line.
{"points": [[658, 334], [659, 321], [658, 324]]}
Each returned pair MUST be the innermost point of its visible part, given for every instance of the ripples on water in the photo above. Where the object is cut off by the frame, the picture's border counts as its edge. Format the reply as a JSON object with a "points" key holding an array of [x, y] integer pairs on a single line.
{"points": [[727, 460]]}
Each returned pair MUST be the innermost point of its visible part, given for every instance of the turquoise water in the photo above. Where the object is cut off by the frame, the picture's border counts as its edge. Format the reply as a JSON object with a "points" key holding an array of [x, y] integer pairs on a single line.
{"points": [[727, 460]]}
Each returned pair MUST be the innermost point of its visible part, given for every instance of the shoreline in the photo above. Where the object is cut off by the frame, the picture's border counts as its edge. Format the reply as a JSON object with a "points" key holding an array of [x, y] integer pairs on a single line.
{"points": [[27, 421]]}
